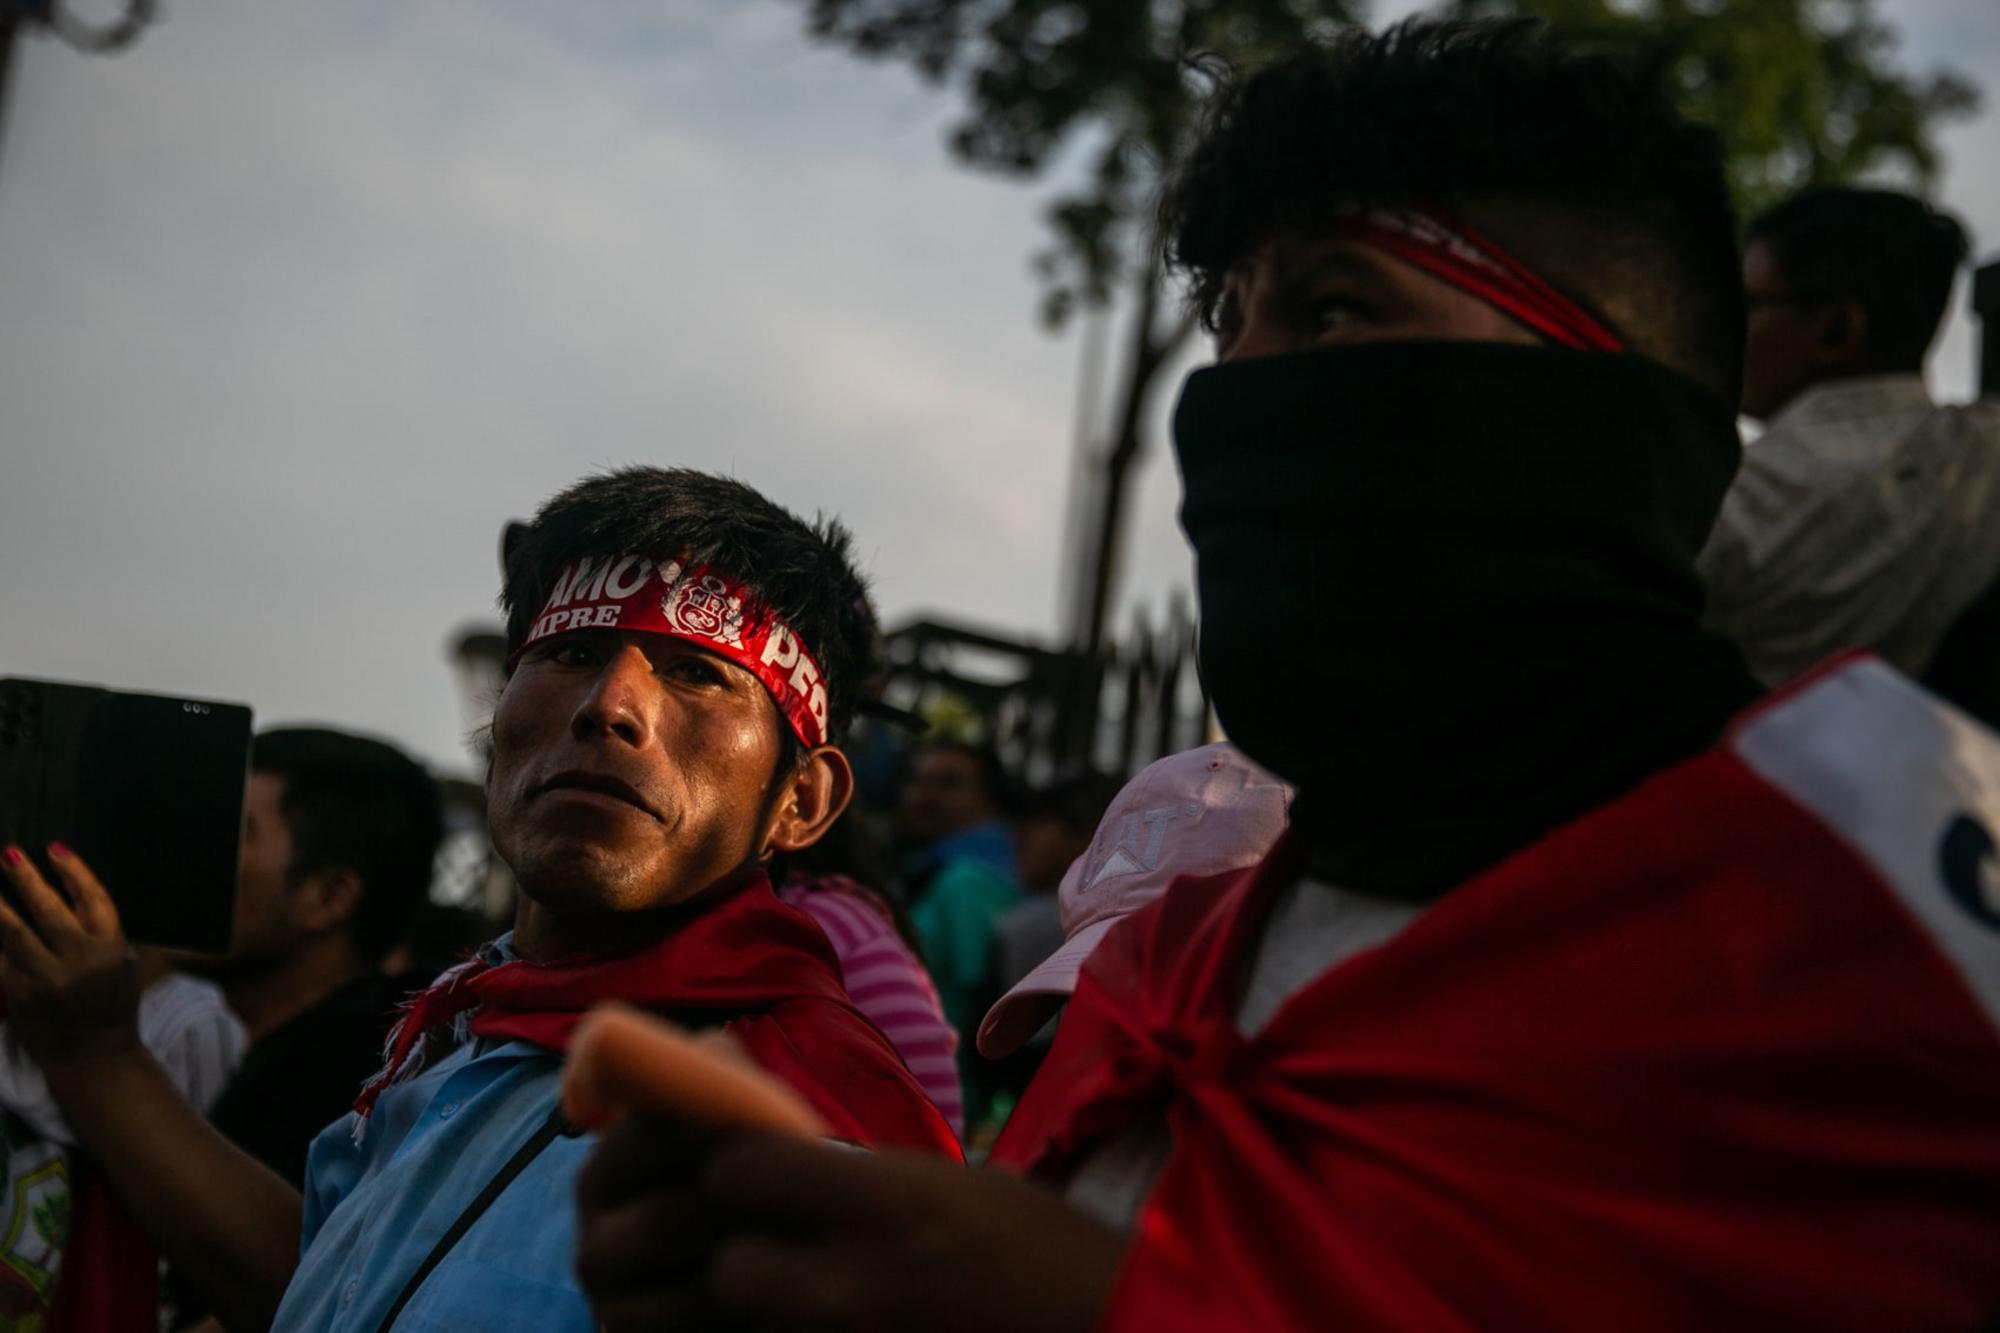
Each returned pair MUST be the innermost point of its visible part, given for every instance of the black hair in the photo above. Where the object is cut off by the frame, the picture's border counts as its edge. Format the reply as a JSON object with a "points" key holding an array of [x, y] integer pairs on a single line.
{"points": [[438, 936], [1077, 802], [1892, 254], [1577, 163], [803, 571], [994, 783], [356, 804]]}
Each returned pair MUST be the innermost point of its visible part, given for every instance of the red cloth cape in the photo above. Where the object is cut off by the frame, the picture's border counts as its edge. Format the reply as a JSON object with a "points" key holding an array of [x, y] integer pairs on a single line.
{"points": [[1691, 1062], [762, 971]]}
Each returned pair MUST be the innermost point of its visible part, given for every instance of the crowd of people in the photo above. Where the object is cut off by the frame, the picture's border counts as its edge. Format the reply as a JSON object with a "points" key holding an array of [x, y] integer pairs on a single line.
{"points": [[1592, 920]]}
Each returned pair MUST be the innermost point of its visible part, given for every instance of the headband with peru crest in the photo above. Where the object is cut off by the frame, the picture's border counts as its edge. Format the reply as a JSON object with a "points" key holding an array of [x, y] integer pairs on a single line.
{"points": [[699, 605]]}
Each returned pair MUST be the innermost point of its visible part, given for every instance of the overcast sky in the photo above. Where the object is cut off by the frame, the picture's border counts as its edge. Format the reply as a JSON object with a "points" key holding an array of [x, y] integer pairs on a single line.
{"points": [[303, 301]]}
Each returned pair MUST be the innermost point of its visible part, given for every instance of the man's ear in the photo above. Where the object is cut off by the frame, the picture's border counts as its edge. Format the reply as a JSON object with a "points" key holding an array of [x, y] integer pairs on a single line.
{"points": [[326, 900], [812, 797], [1843, 335]]}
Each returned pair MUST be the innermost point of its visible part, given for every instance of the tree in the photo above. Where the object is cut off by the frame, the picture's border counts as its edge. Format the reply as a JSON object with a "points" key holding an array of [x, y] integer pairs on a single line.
{"points": [[1124, 78], [1804, 91], [109, 35]]}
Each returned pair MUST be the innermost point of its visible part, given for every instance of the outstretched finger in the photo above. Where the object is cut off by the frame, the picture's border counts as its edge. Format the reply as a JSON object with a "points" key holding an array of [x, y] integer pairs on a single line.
{"points": [[94, 908], [43, 906]]}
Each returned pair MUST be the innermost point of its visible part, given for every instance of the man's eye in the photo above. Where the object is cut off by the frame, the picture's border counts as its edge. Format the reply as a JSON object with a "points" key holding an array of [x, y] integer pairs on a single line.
{"points": [[571, 652], [698, 670], [1331, 314]]}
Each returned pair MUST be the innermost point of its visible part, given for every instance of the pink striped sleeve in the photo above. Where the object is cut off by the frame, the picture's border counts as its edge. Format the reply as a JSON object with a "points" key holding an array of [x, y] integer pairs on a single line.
{"points": [[889, 986], [838, 920]]}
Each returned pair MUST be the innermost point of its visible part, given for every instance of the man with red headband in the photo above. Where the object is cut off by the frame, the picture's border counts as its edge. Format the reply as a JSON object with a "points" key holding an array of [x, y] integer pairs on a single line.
{"points": [[685, 659], [1587, 990]]}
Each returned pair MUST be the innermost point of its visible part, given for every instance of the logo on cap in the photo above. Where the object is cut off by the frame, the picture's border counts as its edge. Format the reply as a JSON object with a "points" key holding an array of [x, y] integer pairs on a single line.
{"points": [[1127, 856]]}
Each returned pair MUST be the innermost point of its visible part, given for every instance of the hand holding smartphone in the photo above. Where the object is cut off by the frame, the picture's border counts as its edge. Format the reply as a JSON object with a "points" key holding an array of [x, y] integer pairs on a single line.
{"points": [[148, 789]]}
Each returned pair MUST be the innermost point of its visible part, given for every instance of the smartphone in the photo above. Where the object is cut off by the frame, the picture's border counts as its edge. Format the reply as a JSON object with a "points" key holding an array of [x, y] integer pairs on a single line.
{"points": [[147, 788]]}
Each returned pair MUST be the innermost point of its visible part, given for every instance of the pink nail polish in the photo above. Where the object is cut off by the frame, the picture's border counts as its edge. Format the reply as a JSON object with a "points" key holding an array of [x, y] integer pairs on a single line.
{"points": [[13, 856], [60, 852]]}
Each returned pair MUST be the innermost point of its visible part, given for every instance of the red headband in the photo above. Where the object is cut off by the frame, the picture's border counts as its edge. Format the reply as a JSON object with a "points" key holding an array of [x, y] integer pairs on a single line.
{"points": [[1472, 263], [699, 605]]}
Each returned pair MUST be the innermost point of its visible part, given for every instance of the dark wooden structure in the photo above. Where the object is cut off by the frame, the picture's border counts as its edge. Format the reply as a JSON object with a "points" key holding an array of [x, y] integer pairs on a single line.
{"points": [[1053, 710]]}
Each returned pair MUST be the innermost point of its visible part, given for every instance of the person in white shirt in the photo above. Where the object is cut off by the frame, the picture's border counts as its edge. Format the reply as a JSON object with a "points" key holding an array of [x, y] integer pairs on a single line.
{"points": [[1864, 516], [185, 1024]]}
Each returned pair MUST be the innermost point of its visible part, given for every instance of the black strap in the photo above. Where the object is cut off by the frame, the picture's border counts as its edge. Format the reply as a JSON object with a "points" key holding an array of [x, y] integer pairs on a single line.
{"points": [[550, 1130]]}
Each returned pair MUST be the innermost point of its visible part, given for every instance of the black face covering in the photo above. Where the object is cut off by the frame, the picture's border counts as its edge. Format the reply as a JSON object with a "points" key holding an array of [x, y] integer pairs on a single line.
{"points": [[1448, 589]]}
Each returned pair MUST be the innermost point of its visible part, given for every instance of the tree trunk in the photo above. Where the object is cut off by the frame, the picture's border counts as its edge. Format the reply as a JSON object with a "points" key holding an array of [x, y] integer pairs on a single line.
{"points": [[1153, 342]]}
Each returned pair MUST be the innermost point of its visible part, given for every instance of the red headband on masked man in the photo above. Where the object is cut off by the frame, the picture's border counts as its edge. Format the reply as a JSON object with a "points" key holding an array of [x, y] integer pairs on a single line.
{"points": [[1449, 250], [700, 605]]}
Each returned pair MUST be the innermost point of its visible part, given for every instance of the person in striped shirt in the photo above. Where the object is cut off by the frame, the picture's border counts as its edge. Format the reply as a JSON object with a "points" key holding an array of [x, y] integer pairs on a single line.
{"points": [[841, 882], [885, 981]]}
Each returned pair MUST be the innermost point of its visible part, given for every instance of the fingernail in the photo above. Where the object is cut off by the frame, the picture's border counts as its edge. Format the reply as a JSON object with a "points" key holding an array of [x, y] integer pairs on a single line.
{"points": [[60, 852], [13, 856]]}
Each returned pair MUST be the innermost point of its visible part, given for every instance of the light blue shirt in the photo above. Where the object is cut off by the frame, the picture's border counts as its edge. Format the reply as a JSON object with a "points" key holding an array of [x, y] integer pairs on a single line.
{"points": [[374, 1210]]}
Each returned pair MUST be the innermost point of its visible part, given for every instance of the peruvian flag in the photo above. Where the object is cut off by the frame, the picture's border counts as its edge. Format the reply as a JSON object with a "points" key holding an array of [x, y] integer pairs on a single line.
{"points": [[1719, 1055]]}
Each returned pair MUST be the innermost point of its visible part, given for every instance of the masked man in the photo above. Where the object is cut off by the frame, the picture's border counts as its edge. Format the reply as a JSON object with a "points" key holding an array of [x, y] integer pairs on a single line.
{"points": [[1586, 991], [684, 656]]}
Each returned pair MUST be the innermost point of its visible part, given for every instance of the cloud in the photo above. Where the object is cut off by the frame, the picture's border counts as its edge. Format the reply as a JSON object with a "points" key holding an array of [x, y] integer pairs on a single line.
{"points": [[305, 301], [327, 294]]}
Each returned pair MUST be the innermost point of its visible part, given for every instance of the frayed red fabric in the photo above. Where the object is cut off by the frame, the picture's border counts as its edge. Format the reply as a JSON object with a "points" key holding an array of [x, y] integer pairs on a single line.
{"points": [[747, 963]]}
